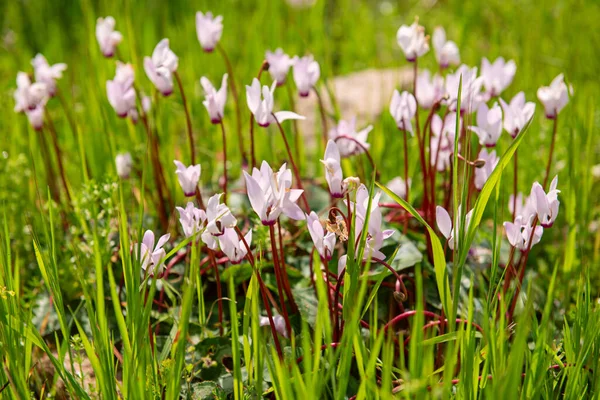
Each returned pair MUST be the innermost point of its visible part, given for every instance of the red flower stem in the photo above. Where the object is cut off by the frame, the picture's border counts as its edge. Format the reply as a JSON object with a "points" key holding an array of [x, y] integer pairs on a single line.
{"points": [[213, 261], [294, 122], [515, 185], [523, 261], [263, 292], [188, 119], [50, 175], [284, 274], [264, 66], [364, 149], [323, 117], [224, 161], [294, 167], [234, 93], [279, 280], [59, 157], [552, 143]]}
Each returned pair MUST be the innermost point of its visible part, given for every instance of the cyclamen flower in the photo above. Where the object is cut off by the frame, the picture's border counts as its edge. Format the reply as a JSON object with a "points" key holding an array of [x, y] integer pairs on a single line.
{"points": [[209, 30], [517, 114], [471, 89], [124, 163], [152, 257], [215, 99], [333, 171], [412, 41], [278, 322], [218, 216], [403, 108], [398, 186], [519, 233], [260, 102], [107, 37], [188, 177], [554, 97], [519, 208], [279, 65], [489, 124], [497, 76], [31, 98], [375, 234], [271, 194], [445, 226], [546, 204], [234, 248], [350, 141], [46, 73], [306, 74], [430, 90], [482, 174], [192, 219], [446, 51], [120, 91], [324, 242], [442, 141], [161, 66]]}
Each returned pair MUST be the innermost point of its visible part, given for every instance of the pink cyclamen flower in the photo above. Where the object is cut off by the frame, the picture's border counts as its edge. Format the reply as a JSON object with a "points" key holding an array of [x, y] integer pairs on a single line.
{"points": [[306, 74], [120, 91], [324, 242], [412, 41], [546, 204], [442, 141], [350, 141], [520, 232], [233, 247], [521, 207], [554, 97], [489, 124], [188, 177], [333, 171], [46, 73], [161, 66], [482, 174], [497, 75], [403, 108], [209, 30], [471, 89], [218, 216], [279, 65], [107, 37], [430, 90], [192, 219], [447, 229], [271, 193], [446, 51], [31, 98], [278, 321], [375, 233], [152, 257], [215, 99], [124, 164], [260, 102], [517, 114]]}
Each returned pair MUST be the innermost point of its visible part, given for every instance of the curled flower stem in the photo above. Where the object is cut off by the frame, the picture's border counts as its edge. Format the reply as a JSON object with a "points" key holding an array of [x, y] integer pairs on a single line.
{"points": [[364, 149], [224, 161], [59, 157], [263, 66], [213, 261], [279, 279], [294, 167], [263, 292], [234, 93], [188, 119], [323, 116], [552, 143]]}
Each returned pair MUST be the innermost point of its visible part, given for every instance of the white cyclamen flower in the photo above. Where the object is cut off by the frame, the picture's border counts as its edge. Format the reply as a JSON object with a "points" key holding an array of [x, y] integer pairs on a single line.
{"points": [[306, 74], [497, 75], [152, 257], [470, 95], [482, 174], [215, 99], [333, 171], [446, 51], [489, 124], [192, 219], [161, 66], [124, 163], [279, 65], [412, 41], [517, 114], [260, 102], [46, 73], [546, 204], [403, 108], [120, 91], [107, 37], [554, 97], [430, 90], [233, 247], [520, 232], [324, 242], [349, 141], [209, 30], [448, 230], [188, 177], [31, 98]]}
